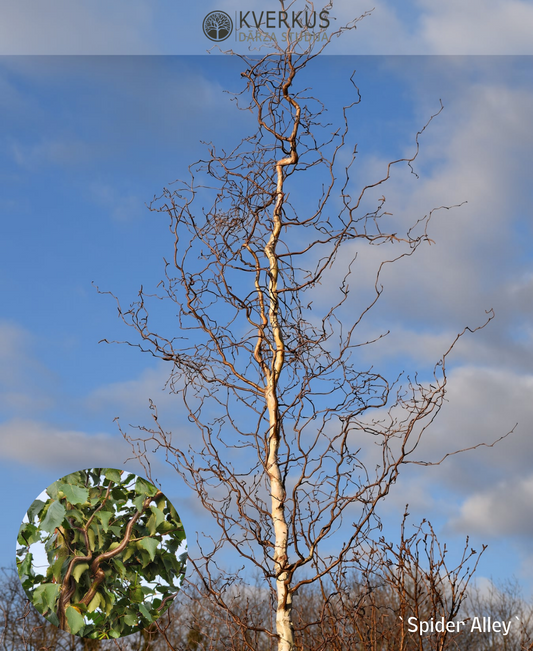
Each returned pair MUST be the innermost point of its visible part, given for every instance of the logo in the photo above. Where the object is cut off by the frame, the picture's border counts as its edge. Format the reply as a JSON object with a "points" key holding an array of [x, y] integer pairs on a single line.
{"points": [[217, 26]]}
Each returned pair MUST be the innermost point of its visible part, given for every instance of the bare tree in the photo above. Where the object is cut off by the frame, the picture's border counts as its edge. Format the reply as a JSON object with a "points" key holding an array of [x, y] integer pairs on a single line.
{"points": [[396, 584], [425, 587], [264, 350], [346, 611], [504, 602], [23, 628]]}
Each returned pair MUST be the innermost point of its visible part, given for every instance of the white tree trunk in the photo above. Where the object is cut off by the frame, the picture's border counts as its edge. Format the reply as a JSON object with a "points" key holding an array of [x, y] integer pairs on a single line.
{"points": [[284, 625]]}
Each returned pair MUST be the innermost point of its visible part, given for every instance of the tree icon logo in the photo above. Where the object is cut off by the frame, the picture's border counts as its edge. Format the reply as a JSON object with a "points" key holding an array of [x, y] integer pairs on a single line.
{"points": [[217, 26]]}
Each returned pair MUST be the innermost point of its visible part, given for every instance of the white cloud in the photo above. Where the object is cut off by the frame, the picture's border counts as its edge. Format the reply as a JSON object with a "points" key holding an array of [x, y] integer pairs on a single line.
{"points": [[24, 382], [477, 151], [29, 390], [435, 27], [382, 31], [122, 207], [73, 27], [59, 151], [486, 492], [483, 405], [134, 395], [130, 400], [14, 343], [476, 27], [43, 445], [505, 507]]}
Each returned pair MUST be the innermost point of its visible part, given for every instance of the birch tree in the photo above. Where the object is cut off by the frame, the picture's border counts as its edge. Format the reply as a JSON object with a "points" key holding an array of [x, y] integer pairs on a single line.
{"points": [[264, 349]]}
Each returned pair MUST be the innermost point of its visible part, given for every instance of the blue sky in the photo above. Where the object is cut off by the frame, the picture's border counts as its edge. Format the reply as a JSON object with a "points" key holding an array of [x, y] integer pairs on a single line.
{"points": [[88, 141]]}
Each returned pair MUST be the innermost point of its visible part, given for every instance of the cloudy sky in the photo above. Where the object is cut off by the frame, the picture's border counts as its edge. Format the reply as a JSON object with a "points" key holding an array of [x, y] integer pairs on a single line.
{"points": [[166, 27], [88, 141]]}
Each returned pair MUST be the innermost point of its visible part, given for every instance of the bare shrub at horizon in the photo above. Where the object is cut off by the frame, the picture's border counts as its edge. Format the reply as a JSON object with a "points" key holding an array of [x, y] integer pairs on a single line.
{"points": [[364, 617]]}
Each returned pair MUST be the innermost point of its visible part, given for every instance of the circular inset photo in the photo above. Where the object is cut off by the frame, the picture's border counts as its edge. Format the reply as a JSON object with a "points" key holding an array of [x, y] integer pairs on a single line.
{"points": [[101, 553]]}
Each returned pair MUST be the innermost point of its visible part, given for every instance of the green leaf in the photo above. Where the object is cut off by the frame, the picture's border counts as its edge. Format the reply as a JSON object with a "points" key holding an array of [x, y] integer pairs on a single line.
{"points": [[147, 590], [116, 530], [136, 595], [77, 515], [150, 544], [75, 620], [165, 527], [104, 517], [128, 553], [78, 478], [144, 558], [78, 570], [138, 502], [54, 517], [113, 474], [37, 597], [51, 593], [94, 603], [74, 494], [130, 619], [173, 513], [119, 494], [56, 569], [28, 534], [35, 508], [25, 568], [100, 534], [142, 487], [159, 515], [52, 618], [91, 537], [109, 602], [120, 567], [151, 525], [145, 613], [52, 490], [173, 545], [173, 565], [98, 618], [45, 596], [82, 608]]}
